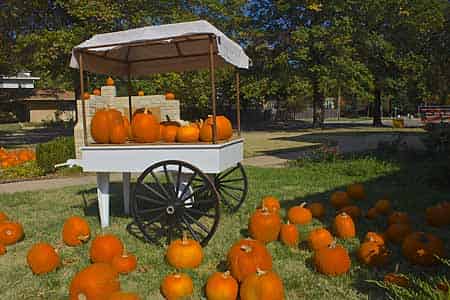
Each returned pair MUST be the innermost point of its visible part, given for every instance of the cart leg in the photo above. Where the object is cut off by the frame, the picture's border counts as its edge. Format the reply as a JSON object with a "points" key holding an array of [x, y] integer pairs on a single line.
{"points": [[126, 192], [103, 198]]}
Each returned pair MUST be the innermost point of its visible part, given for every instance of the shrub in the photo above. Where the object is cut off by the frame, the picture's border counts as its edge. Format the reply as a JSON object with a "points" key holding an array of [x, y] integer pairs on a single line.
{"points": [[54, 152], [28, 169]]}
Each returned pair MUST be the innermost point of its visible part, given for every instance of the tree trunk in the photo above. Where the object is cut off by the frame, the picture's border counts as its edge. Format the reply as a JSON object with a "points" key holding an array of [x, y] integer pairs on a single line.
{"points": [[317, 104], [377, 109]]}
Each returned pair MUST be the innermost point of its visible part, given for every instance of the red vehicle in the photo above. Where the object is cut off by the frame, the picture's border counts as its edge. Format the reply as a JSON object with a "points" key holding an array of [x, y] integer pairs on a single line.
{"points": [[434, 113]]}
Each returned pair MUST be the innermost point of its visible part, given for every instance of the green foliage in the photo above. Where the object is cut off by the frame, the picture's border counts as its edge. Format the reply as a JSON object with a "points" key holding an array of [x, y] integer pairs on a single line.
{"points": [[29, 169], [54, 152]]}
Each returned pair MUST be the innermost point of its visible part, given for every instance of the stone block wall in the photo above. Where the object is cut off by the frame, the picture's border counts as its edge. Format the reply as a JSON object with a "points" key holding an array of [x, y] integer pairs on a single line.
{"points": [[154, 102]]}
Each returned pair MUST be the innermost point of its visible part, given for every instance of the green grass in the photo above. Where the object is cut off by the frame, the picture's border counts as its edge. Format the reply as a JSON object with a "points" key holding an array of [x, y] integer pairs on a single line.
{"points": [[43, 213]]}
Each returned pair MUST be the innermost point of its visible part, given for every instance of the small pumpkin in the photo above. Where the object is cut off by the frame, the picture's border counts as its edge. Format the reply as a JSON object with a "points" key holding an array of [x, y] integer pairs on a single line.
{"points": [[86, 96], [383, 206], [351, 210], [109, 81], [438, 215], [319, 238], [125, 263], [373, 254], [397, 232], [145, 128], [42, 258], [339, 199], [140, 93], [177, 286], [75, 231], [398, 217], [184, 253], [245, 256], [397, 279], [123, 296], [332, 260], [271, 203], [10, 233], [2, 249], [3, 217], [422, 248], [169, 133], [187, 134], [170, 96], [344, 226], [264, 226], [224, 129], [317, 209], [289, 235], [97, 92], [97, 281], [375, 237], [221, 286], [299, 214], [262, 285], [372, 213], [104, 248], [356, 191]]}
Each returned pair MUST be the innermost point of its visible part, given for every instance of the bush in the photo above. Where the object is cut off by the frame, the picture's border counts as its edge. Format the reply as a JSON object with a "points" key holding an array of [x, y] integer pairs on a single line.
{"points": [[54, 152], [29, 169]]}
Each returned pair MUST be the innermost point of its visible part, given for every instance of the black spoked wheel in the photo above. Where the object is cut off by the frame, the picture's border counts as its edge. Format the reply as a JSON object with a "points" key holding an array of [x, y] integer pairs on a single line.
{"points": [[172, 197], [232, 187]]}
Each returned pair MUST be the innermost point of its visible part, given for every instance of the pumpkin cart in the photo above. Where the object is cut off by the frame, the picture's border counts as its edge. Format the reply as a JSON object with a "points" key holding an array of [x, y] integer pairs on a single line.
{"points": [[180, 184]]}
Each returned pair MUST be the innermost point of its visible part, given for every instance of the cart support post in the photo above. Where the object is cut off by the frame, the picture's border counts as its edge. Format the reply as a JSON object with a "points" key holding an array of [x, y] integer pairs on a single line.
{"points": [[213, 86], [126, 192], [103, 198], [130, 112], [83, 104], [238, 103]]}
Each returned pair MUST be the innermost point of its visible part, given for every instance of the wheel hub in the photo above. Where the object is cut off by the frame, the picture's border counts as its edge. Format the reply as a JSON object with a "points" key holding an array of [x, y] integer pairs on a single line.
{"points": [[170, 210]]}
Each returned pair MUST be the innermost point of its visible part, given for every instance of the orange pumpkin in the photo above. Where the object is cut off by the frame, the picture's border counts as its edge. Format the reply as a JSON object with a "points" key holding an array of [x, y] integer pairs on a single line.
{"points": [[187, 134], [141, 93], [383, 206], [97, 281], [169, 133], [109, 81], [127, 126], [317, 209], [397, 279], [170, 96], [75, 231], [289, 235], [397, 232], [184, 253], [224, 129], [86, 96], [422, 248], [271, 203], [375, 237], [123, 296], [246, 256], [104, 248], [438, 215], [2, 249], [332, 260], [97, 92], [42, 258], [339, 199], [344, 226], [356, 191], [264, 226], [372, 213], [398, 217], [319, 238], [10, 233], [177, 286], [100, 126], [125, 263], [221, 286], [351, 210], [373, 254], [3, 217], [299, 214], [145, 128], [262, 285], [118, 133]]}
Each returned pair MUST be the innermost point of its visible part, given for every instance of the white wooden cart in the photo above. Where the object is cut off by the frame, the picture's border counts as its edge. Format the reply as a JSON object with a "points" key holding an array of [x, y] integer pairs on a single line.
{"points": [[180, 185]]}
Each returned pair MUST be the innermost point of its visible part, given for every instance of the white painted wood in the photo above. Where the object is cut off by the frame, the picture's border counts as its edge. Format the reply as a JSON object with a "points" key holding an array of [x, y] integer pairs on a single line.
{"points": [[126, 192], [103, 198]]}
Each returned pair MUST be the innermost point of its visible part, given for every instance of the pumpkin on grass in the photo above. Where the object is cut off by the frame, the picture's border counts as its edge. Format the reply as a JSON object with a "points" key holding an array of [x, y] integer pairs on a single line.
{"points": [[224, 129], [373, 254], [75, 231], [398, 217], [317, 209], [289, 235], [397, 232], [10, 233], [42, 258], [123, 296], [262, 285], [2, 249], [339, 199], [144, 127], [344, 226], [184, 253], [104, 248], [97, 281], [245, 256], [187, 134], [372, 213], [319, 238], [352, 210], [125, 263], [356, 191], [332, 260], [375, 237], [264, 226], [221, 286], [383, 206], [3, 217], [422, 248], [300, 214], [438, 215], [177, 286], [271, 203]]}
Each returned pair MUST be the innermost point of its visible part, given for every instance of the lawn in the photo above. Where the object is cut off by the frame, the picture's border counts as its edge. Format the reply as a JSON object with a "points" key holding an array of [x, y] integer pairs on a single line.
{"points": [[405, 183]]}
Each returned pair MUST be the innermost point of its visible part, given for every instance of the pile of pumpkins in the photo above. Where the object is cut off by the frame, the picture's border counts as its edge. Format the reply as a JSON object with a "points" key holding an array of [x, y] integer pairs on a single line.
{"points": [[15, 157], [109, 126]]}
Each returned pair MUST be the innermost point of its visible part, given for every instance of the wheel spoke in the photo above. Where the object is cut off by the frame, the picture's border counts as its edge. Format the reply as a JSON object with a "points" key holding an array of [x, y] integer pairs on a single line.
{"points": [[156, 218], [235, 188], [228, 172], [231, 180], [163, 189], [180, 198], [225, 200], [203, 227], [151, 200], [231, 195], [202, 189], [169, 182], [191, 230], [150, 210], [177, 187], [200, 212]]}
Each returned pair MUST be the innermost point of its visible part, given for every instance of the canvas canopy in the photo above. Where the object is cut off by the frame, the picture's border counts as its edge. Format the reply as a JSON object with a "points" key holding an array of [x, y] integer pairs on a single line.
{"points": [[158, 49]]}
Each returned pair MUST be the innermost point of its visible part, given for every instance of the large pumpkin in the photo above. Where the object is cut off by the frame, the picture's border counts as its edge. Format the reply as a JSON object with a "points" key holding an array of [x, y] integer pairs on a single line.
{"points": [[97, 281], [104, 248], [221, 286], [438, 215], [344, 226], [264, 225], [339, 199], [262, 285], [332, 260], [10, 233], [289, 235], [319, 238], [397, 232], [271, 203], [299, 214], [42, 258], [177, 286], [100, 126], [118, 133], [75, 231], [187, 134], [356, 191], [224, 129], [184, 253], [422, 248], [373, 254], [145, 128], [246, 256], [317, 209]]}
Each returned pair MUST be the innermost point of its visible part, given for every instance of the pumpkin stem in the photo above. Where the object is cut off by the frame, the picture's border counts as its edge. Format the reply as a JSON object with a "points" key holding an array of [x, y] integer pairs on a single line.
{"points": [[303, 204], [82, 296], [168, 118], [333, 244], [246, 248], [260, 272], [397, 267], [184, 239], [226, 274], [83, 238]]}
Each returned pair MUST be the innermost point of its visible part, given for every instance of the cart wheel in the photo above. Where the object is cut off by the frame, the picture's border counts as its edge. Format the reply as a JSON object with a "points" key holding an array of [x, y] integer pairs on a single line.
{"points": [[172, 197], [232, 186]]}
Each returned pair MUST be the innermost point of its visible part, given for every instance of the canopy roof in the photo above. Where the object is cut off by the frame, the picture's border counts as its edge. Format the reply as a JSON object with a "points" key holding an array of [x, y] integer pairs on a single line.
{"points": [[158, 49]]}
